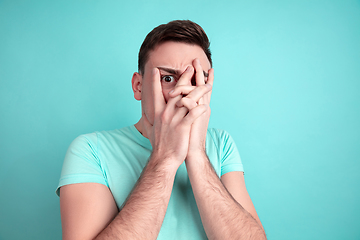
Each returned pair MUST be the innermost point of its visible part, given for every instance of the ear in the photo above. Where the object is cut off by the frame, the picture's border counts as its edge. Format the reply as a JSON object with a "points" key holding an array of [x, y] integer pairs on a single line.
{"points": [[136, 83]]}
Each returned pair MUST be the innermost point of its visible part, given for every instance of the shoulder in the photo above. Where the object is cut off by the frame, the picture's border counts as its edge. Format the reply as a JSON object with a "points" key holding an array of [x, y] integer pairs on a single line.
{"points": [[94, 137], [219, 143], [91, 141], [222, 141], [84, 141], [218, 136]]}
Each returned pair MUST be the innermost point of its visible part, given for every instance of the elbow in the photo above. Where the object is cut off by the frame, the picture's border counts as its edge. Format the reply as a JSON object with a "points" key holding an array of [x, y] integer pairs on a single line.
{"points": [[255, 234], [260, 235]]}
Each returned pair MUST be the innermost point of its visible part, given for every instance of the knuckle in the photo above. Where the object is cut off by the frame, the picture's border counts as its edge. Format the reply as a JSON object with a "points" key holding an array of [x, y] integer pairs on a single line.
{"points": [[206, 87], [192, 113], [189, 102], [181, 102], [192, 104]]}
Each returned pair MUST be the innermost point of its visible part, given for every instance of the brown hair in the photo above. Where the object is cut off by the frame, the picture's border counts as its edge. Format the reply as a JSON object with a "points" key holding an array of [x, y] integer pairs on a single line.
{"points": [[178, 31]]}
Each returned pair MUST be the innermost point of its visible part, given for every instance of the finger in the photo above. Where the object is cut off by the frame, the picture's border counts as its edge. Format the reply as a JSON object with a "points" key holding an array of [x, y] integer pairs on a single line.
{"points": [[197, 93], [180, 114], [181, 90], [158, 97], [194, 114], [186, 76], [210, 79], [199, 73], [186, 102], [171, 107]]}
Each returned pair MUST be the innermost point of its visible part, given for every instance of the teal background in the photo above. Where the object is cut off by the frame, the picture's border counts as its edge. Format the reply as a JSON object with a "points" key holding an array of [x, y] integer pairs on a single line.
{"points": [[286, 88]]}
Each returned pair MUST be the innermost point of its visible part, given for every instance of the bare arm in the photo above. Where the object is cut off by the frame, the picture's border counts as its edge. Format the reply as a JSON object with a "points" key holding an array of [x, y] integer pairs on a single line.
{"points": [[88, 209], [144, 211], [234, 182], [223, 217]]}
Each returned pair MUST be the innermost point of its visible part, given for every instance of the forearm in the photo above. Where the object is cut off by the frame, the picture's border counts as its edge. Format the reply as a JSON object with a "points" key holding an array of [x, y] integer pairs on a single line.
{"points": [[144, 211], [221, 215]]}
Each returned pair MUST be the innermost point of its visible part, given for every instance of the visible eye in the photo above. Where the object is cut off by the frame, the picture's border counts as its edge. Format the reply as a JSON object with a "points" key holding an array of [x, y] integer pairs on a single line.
{"points": [[168, 78]]}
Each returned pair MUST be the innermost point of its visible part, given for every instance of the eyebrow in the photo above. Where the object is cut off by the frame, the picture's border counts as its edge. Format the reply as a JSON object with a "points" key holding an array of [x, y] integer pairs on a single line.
{"points": [[177, 72]]}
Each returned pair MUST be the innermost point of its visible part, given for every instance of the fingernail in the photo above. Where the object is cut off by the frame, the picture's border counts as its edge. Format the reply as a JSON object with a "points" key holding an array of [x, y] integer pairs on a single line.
{"points": [[171, 91], [154, 71]]}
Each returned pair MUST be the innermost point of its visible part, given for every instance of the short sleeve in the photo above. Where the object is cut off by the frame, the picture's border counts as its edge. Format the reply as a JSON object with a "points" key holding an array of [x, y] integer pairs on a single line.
{"points": [[81, 163], [230, 157]]}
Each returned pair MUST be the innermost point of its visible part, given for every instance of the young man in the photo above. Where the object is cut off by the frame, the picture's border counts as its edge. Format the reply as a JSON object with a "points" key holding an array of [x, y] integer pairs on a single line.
{"points": [[168, 176]]}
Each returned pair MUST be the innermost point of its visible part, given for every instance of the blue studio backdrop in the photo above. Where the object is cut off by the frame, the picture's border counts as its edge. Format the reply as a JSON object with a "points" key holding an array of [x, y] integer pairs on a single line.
{"points": [[287, 83]]}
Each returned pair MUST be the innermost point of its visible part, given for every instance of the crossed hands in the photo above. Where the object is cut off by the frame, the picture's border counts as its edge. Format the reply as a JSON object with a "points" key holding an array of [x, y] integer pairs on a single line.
{"points": [[180, 125]]}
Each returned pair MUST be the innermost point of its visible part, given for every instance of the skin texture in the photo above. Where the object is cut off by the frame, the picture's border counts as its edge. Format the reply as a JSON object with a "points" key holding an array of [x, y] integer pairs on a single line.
{"points": [[175, 96]]}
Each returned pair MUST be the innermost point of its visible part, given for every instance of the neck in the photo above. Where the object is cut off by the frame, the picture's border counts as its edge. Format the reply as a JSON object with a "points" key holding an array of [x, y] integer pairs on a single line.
{"points": [[140, 127]]}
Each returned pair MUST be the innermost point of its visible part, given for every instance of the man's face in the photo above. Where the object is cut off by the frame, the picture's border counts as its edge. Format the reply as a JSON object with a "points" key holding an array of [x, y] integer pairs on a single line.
{"points": [[172, 59]]}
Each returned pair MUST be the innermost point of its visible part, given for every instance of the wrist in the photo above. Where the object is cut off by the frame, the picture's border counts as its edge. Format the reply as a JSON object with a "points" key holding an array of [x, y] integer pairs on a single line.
{"points": [[199, 152], [163, 163], [198, 156]]}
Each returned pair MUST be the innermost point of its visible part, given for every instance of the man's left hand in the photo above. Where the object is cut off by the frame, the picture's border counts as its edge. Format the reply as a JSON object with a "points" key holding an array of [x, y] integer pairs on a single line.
{"points": [[200, 125]]}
